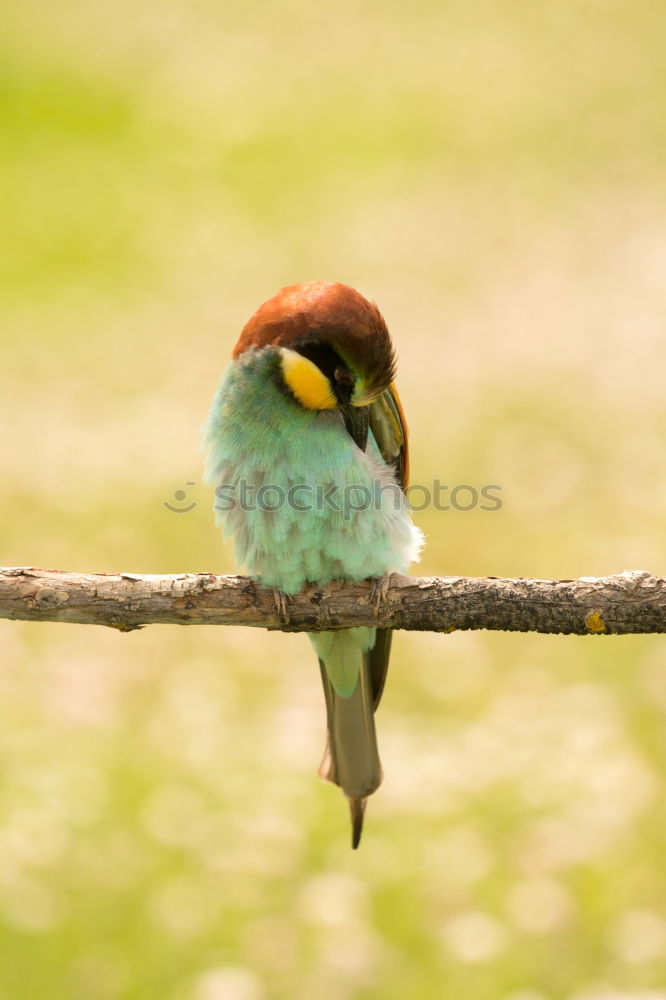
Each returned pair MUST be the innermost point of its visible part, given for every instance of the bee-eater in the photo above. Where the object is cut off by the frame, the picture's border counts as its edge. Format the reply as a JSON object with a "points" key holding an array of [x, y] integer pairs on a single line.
{"points": [[307, 444]]}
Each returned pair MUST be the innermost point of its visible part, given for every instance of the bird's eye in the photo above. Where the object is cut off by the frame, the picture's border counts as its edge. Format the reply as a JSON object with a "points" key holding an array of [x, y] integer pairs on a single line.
{"points": [[343, 376]]}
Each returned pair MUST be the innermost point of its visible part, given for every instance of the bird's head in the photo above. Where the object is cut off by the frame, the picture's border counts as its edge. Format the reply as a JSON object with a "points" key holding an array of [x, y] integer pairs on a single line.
{"points": [[334, 348]]}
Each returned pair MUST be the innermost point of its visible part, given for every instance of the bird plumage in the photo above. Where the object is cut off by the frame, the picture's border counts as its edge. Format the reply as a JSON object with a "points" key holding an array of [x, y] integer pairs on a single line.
{"points": [[307, 445]]}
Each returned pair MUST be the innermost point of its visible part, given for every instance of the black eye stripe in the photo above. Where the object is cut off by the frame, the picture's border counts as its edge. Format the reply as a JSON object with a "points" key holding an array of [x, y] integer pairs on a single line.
{"points": [[328, 361]]}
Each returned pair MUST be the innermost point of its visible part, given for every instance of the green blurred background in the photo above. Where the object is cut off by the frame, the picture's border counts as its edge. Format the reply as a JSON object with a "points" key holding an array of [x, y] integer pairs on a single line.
{"points": [[493, 175]]}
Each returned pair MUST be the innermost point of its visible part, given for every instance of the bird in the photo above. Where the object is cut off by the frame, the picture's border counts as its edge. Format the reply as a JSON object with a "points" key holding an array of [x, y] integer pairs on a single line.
{"points": [[307, 446]]}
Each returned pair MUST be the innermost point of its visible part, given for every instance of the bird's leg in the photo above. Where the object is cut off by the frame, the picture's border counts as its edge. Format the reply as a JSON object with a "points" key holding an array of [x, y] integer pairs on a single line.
{"points": [[379, 593], [281, 601]]}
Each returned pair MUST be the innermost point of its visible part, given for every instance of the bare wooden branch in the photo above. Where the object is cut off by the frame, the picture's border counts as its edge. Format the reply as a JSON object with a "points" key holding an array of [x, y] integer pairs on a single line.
{"points": [[630, 602]]}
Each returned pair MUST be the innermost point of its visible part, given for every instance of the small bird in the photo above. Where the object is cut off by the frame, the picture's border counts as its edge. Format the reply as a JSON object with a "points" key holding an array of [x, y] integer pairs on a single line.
{"points": [[307, 445]]}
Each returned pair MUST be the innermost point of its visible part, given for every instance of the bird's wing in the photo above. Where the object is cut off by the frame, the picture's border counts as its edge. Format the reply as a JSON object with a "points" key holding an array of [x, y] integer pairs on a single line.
{"points": [[389, 428]]}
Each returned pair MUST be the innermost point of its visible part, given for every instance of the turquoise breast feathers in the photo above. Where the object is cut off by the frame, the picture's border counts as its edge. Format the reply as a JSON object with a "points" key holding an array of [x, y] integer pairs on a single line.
{"points": [[300, 503]]}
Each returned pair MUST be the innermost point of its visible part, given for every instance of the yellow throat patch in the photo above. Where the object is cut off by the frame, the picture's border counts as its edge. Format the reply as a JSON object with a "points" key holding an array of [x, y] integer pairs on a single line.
{"points": [[307, 382]]}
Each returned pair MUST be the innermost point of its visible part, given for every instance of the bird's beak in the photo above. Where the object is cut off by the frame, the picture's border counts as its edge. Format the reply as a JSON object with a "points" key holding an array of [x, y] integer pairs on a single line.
{"points": [[357, 421]]}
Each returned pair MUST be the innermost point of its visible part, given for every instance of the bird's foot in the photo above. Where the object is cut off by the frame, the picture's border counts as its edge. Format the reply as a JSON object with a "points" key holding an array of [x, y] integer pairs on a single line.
{"points": [[281, 601], [379, 593]]}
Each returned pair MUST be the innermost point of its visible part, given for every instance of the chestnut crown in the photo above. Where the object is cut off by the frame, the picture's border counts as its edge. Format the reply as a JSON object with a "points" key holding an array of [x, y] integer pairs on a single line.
{"points": [[334, 343]]}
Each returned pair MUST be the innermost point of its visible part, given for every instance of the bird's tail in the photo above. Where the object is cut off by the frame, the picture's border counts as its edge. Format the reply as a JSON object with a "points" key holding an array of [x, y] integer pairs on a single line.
{"points": [[351, 757]]}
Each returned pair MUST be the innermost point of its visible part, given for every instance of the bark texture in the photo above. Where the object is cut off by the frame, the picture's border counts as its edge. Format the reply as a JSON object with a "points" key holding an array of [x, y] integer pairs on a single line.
{"points": [[626, 603]]}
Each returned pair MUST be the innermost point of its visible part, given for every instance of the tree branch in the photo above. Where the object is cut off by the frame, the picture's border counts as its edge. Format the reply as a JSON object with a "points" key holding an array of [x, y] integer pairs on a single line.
{"points": [[631, 602]]}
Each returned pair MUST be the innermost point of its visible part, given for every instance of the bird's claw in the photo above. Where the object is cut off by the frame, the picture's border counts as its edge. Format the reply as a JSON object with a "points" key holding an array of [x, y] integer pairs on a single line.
{"points": [[281, 601], [379, 593]]}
